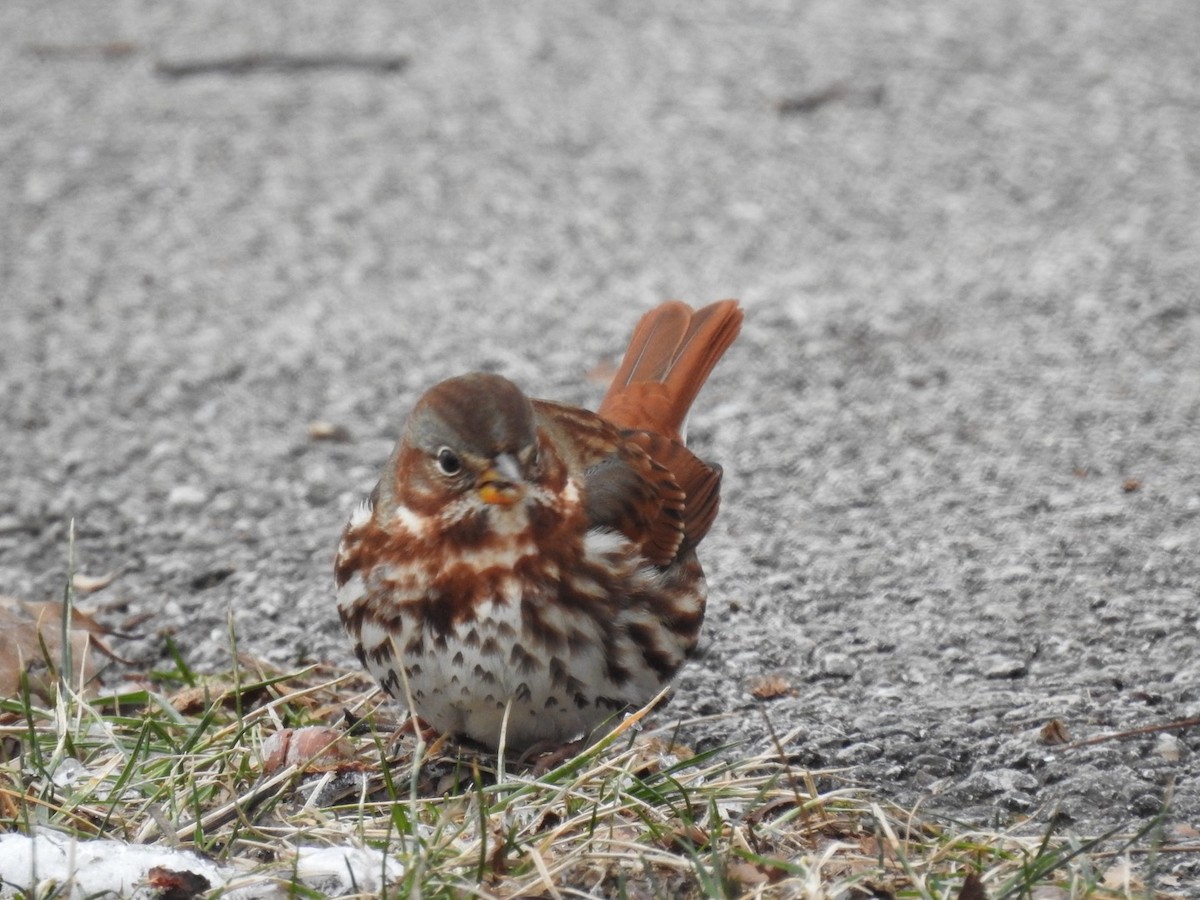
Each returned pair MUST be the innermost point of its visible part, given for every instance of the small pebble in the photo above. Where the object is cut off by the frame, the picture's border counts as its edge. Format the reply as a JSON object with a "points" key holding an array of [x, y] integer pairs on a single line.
{"points": [[186, 495]]}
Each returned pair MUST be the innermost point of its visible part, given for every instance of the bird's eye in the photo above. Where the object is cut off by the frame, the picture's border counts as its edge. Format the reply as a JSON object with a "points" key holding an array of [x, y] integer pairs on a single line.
{"points": [[448, 462]]}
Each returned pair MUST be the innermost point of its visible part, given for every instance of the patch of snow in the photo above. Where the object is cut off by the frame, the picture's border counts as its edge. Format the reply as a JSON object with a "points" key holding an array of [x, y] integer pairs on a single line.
{"points": [[335, 870], [69, 771], [36, 865], [49, 862]]}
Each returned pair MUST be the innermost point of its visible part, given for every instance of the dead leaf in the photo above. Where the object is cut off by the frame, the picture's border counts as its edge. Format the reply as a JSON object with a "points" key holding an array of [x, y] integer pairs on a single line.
{"points": [[1054, 732], [48, 614], [654, 753], [768, 687], [687, 837], [769, 810], [1167, 746], [190, 700], [212, 692], [972, 888], [499, 858], [746, 874], [311, 747], [1117, 877], [31, 644], [174, 885], [329, 431], [1129, 485], [89, 584]]}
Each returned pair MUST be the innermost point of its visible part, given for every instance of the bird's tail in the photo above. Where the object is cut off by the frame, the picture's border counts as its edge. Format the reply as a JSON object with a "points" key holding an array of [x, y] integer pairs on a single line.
{"points": [[670, 356]]}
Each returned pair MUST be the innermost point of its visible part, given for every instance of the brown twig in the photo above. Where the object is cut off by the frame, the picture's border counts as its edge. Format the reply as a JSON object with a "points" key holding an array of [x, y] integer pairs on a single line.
{"points": [[814, 100], [1136, 732], [249, 63], [1145, 851], [108, 50]]}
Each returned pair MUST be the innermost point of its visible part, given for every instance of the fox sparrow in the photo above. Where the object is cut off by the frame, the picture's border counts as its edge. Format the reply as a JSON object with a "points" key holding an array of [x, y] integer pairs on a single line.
{"points": [[531, 567]]}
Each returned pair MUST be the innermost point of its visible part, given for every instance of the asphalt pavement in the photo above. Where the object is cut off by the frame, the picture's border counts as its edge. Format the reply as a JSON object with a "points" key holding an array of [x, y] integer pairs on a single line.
{"points": [[960, 431]]}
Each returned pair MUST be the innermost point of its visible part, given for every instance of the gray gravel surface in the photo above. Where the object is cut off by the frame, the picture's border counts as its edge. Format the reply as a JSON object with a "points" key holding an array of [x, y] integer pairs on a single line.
{"points": [[961, 429]]}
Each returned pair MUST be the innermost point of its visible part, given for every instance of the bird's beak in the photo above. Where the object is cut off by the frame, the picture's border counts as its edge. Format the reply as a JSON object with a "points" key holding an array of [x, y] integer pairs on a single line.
{"points": [[500, 484]]}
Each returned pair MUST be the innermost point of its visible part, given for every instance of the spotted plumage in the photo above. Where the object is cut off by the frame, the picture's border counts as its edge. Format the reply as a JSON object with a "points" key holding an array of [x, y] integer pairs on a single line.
{"points": [[529, 568]]}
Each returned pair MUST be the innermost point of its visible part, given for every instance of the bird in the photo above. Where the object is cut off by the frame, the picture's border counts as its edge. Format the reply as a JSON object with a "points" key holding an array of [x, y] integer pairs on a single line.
{"points": [[525, 571]]}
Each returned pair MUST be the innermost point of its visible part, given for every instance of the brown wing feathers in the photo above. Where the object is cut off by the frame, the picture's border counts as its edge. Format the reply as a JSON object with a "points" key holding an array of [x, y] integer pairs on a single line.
{"points": [[671, 354]]}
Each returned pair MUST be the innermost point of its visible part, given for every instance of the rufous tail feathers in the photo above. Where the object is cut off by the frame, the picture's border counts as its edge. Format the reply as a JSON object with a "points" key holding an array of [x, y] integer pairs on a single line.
{"points": [[671, 353]]}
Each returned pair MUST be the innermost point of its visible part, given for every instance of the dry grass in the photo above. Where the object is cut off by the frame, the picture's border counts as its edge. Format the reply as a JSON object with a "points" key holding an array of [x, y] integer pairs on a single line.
{"points": [[202, 763]]}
